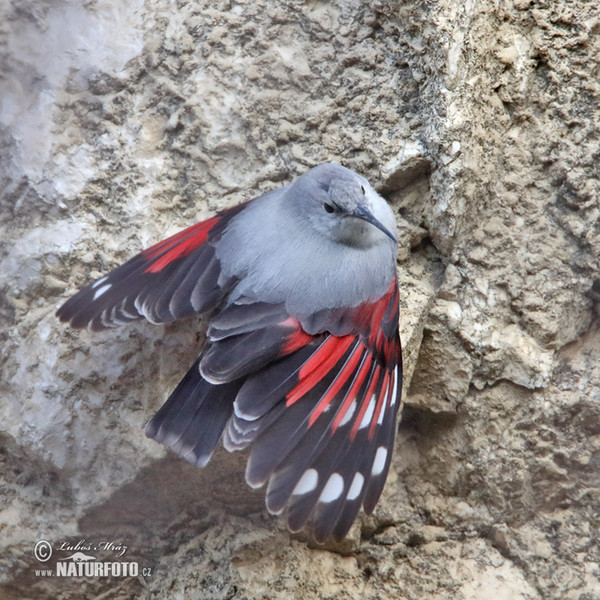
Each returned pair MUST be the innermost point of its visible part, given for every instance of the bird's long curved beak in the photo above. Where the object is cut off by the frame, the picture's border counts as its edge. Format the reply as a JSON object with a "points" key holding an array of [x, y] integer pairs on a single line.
{"points": [[362, 213]]}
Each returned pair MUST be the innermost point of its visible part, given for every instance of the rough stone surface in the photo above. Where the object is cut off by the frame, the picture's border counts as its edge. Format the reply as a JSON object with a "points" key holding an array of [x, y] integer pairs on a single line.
{"points": [[121, 123]]}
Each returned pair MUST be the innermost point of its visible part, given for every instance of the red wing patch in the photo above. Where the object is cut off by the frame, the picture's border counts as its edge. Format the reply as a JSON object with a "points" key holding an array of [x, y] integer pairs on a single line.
{"points": [[326, 449], [178, 245], [173, 279]]}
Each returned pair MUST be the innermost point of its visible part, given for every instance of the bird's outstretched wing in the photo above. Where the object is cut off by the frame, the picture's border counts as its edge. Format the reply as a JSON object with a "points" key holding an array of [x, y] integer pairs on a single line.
{"points": [[171, 280], [317, 411]]}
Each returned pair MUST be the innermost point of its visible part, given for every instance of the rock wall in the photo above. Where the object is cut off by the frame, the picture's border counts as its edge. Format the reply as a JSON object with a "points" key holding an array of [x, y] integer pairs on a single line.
{"points": [[124, 122]]}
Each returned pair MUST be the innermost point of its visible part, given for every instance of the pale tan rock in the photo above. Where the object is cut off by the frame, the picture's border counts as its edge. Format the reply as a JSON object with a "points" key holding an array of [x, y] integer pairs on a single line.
{"points": [[121, 123]]}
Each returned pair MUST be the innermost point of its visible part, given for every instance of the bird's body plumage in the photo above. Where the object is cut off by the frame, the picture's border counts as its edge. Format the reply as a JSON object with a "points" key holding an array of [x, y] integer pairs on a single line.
{"points": [[302, 362]]}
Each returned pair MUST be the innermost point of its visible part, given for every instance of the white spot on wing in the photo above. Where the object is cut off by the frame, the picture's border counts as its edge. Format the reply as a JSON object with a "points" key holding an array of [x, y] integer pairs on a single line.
{"points": [[389, 399], [383, 409], [356, 486], [395, 390], [349, 413], [368, 413], [102, 290], [308, 482], [333, 488], [99, 282], [379, 462]]}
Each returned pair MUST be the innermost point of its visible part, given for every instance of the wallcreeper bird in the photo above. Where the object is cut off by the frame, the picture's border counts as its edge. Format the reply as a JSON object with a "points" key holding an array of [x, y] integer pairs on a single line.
{"points": [[302, 362]]}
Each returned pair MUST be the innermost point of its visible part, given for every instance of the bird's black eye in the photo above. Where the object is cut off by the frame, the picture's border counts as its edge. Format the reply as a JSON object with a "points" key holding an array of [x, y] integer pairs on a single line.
{"points": [[362, 187], [328, 208]]}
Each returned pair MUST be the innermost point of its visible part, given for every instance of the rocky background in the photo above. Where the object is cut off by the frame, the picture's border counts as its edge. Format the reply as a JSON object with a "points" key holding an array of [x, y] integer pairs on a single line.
{"points": [[123, 122]]}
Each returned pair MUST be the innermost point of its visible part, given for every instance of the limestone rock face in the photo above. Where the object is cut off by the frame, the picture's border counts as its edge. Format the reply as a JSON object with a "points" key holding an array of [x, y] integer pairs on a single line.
{"points": [[123, 122]]}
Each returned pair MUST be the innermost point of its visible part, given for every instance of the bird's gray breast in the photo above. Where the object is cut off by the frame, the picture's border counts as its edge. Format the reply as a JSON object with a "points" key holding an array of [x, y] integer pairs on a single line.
{"points": [[277, 257]]}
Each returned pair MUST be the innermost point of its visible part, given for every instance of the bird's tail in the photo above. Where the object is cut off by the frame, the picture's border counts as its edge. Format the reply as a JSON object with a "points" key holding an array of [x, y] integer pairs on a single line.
{"points": [[192, 420]]}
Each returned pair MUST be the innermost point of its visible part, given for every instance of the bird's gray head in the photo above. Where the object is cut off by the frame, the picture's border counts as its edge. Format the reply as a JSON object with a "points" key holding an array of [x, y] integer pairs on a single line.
{"points": [[342, 206]]}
